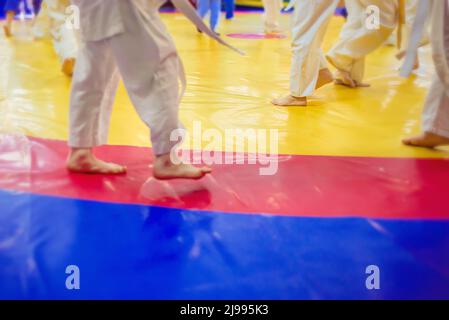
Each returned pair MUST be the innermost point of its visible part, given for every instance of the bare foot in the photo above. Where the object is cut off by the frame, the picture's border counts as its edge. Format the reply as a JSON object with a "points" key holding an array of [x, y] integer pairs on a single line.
{"points": [[165, 169], [84, 161], [273, 30], [7, 30], [324, 77], [290, 101], [417, 64], [361, 84], [344, 78], [426, 140], [67, 66], [401, 55]]}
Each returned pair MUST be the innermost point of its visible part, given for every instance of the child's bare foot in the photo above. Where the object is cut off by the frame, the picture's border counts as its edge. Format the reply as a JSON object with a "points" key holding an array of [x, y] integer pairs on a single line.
{"points": [[84, 161], [324, 77], [401, 55], [272, 30], [165, 169], [7, 31], [344, 78], [290, 101], [426, 140], [417, 64], [67, 66]]}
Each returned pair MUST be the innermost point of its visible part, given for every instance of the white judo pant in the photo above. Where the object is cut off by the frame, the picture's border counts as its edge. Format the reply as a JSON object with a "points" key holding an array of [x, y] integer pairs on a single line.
{"points": [[272, 14], [309, 24], [410, 8], [357, 40], [146, 58], [51, 22], [436, 109]]}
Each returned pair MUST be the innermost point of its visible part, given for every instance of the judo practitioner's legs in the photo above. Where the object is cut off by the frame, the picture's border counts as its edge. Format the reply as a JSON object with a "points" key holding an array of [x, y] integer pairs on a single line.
{"points": [[7, 28], [435, 119], [230, 8], [358, 40], [154, 91], [309, 69], [411, 9], [66, 46], [93, 90], [215, 9], [50, 22], [11, 8], [271, 16], [65, 40], [203, 7], [149, 65]]}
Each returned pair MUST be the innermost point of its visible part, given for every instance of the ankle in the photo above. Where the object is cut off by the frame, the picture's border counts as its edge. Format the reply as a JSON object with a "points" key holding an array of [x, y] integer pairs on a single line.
{"points": [[80, 152], [164, 160]]}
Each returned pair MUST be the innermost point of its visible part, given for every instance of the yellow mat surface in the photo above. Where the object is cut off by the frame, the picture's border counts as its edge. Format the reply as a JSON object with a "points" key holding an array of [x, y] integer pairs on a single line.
{"points": [[228, 91]]}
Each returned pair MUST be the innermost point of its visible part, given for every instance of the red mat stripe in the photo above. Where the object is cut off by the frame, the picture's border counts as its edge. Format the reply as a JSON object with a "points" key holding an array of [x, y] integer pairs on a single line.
{"points": [[304, 185]]}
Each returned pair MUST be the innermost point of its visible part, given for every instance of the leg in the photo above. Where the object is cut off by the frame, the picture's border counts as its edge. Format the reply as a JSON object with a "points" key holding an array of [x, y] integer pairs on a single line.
{"points": [[150, 68], [203, 8], [357, 40], [42, 23], [435, 119], [65, 40], [271, 16], [11, 8], [308, 67], [93, 89], [7, 28], [66, 46], [411, 15], [230, 7], [353, 23], [215, 10]]}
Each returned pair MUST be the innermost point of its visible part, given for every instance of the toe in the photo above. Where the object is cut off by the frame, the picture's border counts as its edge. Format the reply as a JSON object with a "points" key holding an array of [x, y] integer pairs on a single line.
{"points": [[407, 141], [206, 170], [119, 169]]}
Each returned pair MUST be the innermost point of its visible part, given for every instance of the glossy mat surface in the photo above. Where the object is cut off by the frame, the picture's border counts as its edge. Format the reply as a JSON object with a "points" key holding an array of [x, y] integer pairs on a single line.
{"points": [[346, 195]]}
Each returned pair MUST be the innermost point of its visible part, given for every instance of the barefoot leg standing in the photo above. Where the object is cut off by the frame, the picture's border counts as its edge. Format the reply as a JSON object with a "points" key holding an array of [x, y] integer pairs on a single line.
{"points": [[128, 39], [308, 67], [271, 16], [11, 9], [436, 110], [51, 22], [357, 40]]}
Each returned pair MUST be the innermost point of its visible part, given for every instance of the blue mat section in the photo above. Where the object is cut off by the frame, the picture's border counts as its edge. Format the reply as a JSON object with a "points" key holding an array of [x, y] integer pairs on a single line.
{"points": [[36, 3], [141, 252]]}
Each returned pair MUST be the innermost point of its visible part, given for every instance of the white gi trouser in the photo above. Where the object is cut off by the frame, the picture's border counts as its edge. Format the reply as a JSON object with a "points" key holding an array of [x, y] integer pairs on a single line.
{"points": [[51, 22], [309, 24], [272, 14], [120, 38], [410, 8], [436, 110], [357, 41]]}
